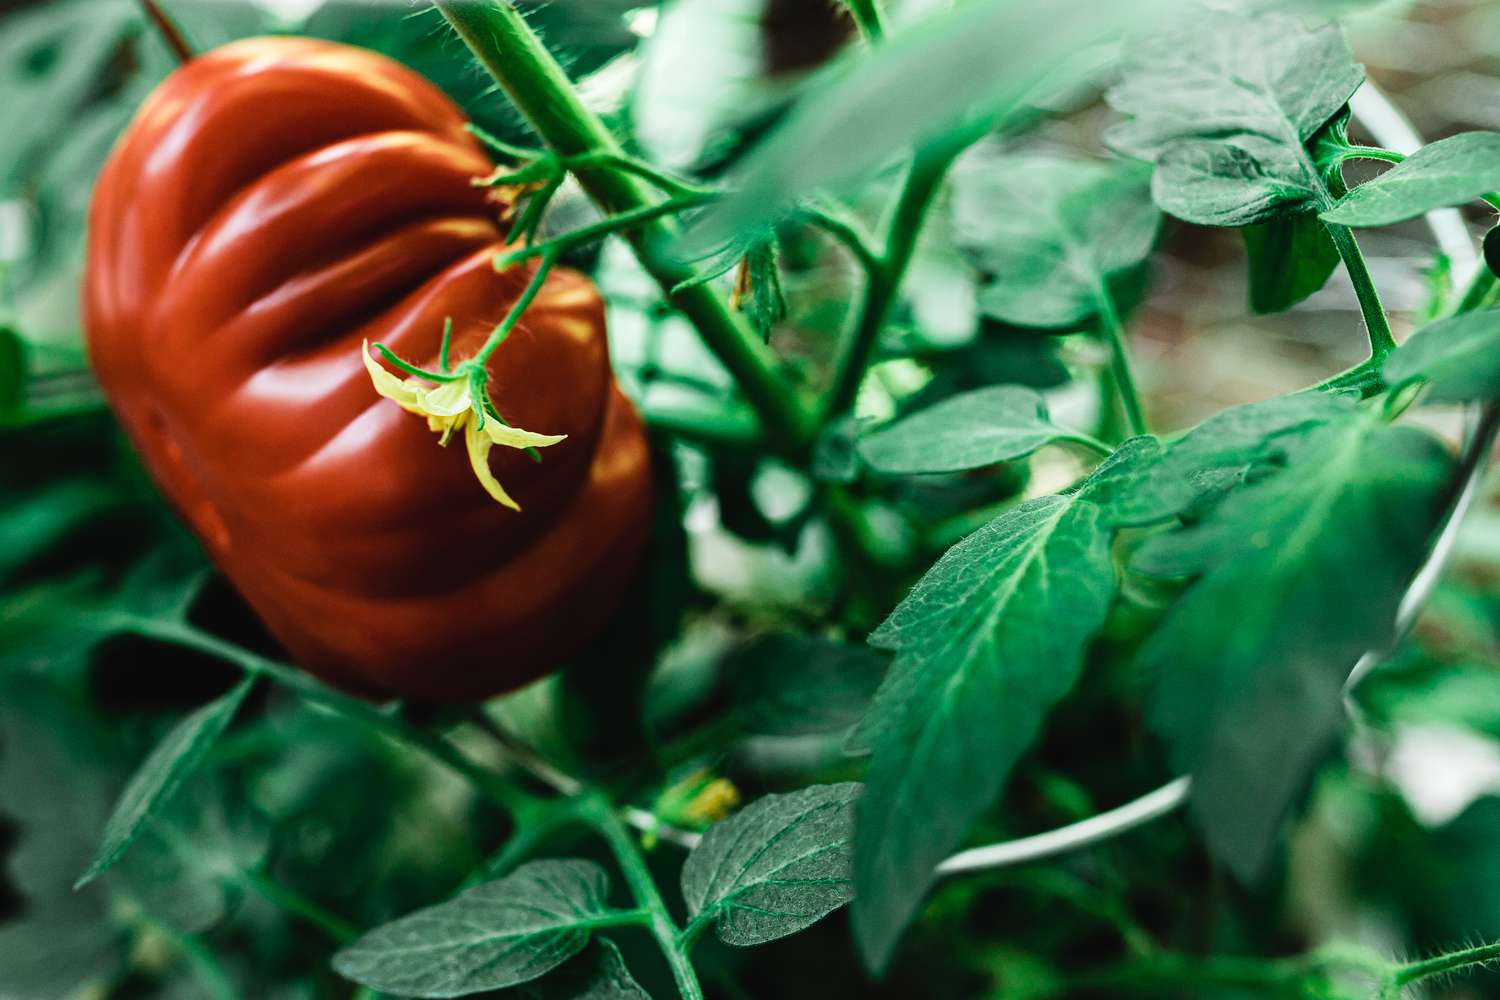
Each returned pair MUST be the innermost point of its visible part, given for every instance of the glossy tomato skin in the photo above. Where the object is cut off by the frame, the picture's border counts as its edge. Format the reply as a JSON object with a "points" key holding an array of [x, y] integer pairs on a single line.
{"points": [[275, 203]]}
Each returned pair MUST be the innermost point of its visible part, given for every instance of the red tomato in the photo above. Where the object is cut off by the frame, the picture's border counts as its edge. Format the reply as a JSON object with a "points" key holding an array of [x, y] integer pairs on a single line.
{"points": [[275, 203]]}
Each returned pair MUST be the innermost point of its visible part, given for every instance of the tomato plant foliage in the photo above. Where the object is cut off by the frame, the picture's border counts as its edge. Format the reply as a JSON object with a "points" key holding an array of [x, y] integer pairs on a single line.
{"points": [[959, 550]]}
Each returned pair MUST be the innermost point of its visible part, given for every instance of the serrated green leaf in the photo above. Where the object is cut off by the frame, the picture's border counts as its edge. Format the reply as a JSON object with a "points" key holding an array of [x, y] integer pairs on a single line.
{"points": [[1459, 357], [792, 684], [1313, 560], [999, 423], [1232, 182], [1225, 73], [1053, 232], [499, 934], [775, 868], [596, 973], [1449, 172], [1291, 257], [1146, 482], [152, 786], [1225, 102], [986, 642]]}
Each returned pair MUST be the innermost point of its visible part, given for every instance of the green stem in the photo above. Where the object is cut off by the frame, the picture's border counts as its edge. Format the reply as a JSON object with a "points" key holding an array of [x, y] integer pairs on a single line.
{"points": [[923, 181], [288, 899], [500, 332], [1119, 361], [1454, 961], [668, 182], [868, 16], [838, 225], [1088, 441], [602, 818], [1377, 325], [542, 92], [624, 222], [1369, 153], [487, 783]]}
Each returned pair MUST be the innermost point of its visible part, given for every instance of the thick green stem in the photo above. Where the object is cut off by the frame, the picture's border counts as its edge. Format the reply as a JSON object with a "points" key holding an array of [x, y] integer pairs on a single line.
{"points": [[542, 92], [627, 854], [1119, 361], [921, 186], [1377, 325]]}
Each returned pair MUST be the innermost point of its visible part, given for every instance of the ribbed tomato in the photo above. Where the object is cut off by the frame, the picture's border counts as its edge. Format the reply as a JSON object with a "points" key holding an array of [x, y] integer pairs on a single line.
{"points": [[274, 204]]}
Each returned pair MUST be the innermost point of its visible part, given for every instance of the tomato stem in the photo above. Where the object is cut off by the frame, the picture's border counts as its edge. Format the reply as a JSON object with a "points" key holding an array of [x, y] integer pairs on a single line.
{"points": [[669, 937], [1377, 324], [503, 42]]}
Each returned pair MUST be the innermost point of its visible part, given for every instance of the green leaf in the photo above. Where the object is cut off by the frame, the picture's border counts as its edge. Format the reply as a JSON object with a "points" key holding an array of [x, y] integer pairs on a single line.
{"points": [[1232, 182], [1291, 257], [793, 684], [1000, 423], [596, 973], [985, 643], [158, 778], [767, 301], [1459, 357], [494, 935], [1225, 103], [916, 87], [1449, 172], [1312, 560], [1053, 232], [1146, 482], [775, 868]]}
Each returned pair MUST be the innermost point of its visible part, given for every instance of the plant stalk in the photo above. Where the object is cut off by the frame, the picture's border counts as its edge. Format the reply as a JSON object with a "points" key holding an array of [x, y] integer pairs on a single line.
{"points": [[922, 183], [1119, 362], [1377, 325], [499, 37], [632, 864]]}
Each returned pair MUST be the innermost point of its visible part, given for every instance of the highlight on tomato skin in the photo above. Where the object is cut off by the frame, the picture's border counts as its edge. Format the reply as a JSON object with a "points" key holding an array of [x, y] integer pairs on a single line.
{"points": [[275, 204]]}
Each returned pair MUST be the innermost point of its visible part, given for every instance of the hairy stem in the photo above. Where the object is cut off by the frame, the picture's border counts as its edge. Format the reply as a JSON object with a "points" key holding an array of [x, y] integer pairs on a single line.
{"points": [[632, 864], [542, 92], [1377, 324], [624, 222], [1453, 961]]}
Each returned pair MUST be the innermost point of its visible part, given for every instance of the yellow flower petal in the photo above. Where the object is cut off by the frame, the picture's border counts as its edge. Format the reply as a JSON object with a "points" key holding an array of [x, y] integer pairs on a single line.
{"points": [[449, 399], [479, 446], [515, 437], [408, 394]]}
